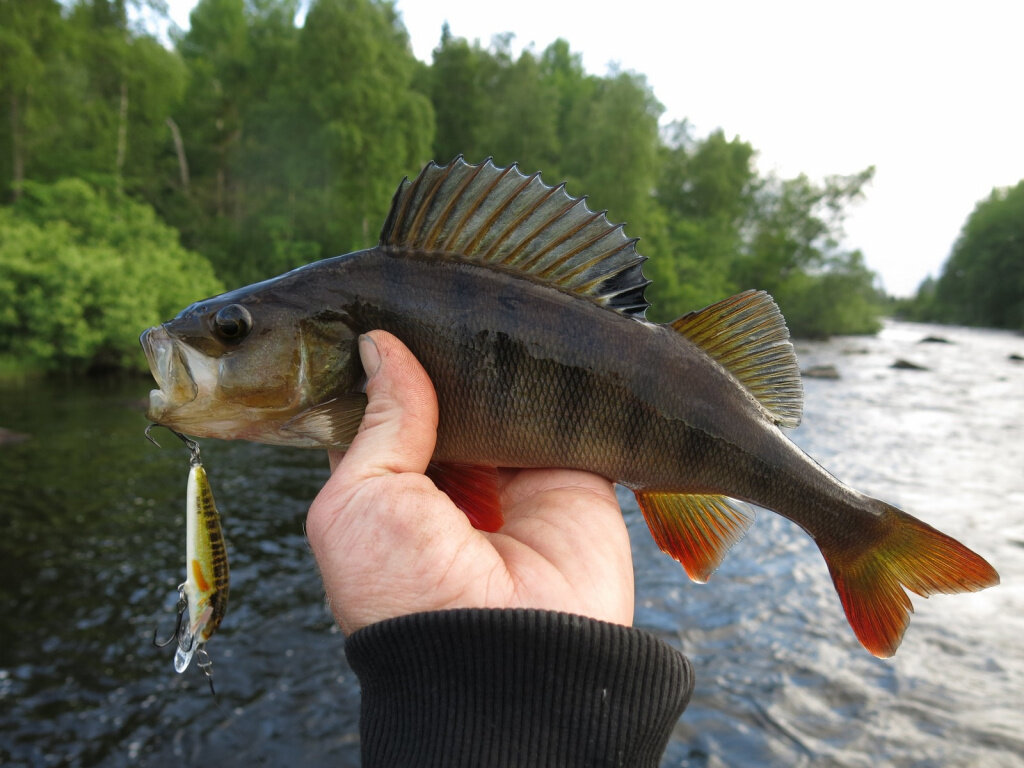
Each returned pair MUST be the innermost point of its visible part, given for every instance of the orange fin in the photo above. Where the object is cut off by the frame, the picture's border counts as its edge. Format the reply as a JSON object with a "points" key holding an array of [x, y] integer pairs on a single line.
{"points": [[697, 530], [473, 489], [912, 555]]}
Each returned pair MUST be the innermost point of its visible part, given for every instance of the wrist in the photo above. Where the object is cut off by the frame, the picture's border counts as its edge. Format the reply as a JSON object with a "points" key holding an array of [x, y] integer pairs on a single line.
{"points": [[515, 688]]}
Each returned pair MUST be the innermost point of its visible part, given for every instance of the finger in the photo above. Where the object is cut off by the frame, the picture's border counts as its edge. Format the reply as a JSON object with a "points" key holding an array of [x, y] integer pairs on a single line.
{"points": [[399, 427], [378, 523]]}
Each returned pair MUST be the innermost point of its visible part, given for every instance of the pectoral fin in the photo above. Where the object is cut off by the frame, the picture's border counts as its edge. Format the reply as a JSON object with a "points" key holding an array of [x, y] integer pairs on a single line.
{"points": [[697, 530], [332, 424], [473, 489]]}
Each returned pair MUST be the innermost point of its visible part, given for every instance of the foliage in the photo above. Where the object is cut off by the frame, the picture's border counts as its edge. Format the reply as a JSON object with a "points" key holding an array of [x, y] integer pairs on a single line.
{"points": [[982, 282], [268, 144], [725, 229], [793, 252], [296, 137], [83, 271], [705, 196], [598, 134], [84, 95]]}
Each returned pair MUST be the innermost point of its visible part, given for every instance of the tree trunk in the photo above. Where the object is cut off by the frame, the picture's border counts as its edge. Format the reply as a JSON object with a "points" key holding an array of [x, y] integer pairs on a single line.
{"points": [[179, 148], [220, 189], [122, 135], [17, 149]]}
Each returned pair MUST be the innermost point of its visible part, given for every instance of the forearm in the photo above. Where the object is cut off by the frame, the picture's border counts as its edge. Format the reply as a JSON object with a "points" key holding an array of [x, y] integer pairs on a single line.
{"points": [[515, 688]]}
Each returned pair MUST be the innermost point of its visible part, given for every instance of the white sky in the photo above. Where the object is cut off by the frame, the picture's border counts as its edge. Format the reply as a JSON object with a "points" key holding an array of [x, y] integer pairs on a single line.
{"points": [[930, 93]]}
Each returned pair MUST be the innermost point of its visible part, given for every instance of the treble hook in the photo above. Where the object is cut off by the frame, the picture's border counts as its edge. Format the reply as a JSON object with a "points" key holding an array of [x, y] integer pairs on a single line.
{"points": [[192, 445], [205, 663], [176, 635]]}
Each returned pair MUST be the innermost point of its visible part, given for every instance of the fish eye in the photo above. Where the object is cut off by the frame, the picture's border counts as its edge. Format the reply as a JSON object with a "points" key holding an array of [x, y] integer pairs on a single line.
{"points": [[233, 322]]}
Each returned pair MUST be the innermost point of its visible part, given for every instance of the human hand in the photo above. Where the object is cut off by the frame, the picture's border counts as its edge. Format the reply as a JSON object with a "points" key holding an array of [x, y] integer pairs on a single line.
{"points": [[389, 543]]}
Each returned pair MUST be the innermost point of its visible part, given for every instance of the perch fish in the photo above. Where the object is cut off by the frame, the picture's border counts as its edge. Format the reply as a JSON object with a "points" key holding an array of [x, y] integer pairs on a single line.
{"points": [[527, 310]]}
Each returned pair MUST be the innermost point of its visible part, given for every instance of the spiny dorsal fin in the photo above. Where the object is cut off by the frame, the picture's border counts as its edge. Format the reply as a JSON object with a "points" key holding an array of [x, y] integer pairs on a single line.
{"points": [[747, 335], [499, 217]]}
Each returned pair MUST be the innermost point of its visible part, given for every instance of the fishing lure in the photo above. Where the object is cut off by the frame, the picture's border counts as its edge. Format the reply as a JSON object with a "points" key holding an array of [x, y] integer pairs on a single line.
{"points": [[203, 596]]}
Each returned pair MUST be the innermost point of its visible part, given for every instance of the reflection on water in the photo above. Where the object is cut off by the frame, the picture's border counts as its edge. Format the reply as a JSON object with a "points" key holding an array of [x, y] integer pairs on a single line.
{"points": [[92, 552]]}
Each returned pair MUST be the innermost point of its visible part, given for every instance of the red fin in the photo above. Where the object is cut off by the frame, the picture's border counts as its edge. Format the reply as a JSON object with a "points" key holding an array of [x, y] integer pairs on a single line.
{"points": [[911, 555], [696, 530], [473, 489]]}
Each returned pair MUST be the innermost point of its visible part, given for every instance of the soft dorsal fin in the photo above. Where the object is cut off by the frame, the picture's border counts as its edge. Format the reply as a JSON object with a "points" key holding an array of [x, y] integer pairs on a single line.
{"points": [[499, 217], [747, 335]]}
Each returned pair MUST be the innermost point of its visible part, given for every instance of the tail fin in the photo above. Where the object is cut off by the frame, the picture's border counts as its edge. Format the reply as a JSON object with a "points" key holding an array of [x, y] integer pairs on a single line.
{"points": [[908, 554]]}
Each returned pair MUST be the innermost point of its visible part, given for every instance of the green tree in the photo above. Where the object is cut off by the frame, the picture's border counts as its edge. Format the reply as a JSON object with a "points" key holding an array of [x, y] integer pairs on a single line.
{"points": [[371, 128], [841, 299], [982, 282], [268, 146], [31, 41], [793, 251], [155, 82], [101, 49], [217, 52], [599, 134], [84, 95], [460, 86], [797, 225], [83, 271], [522, 124], [705, 194], [296, 138], [209, 203], [615, 140]]}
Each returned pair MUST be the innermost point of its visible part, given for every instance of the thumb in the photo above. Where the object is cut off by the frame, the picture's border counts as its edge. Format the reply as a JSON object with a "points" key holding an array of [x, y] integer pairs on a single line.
{"points": [[370, 523], [399, 427]]}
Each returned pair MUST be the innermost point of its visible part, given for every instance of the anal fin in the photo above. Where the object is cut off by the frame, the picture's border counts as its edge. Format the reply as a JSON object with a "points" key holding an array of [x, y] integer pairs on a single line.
{"points": [[695, 529], [473, 489]]}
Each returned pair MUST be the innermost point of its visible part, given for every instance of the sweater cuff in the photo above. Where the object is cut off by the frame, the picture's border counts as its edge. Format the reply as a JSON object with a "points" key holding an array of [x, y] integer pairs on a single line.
{"points": [[515, 688]]}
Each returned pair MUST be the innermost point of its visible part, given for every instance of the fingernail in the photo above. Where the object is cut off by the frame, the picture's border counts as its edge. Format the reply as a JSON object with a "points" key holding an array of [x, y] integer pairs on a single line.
{"points": [[369, 355]]}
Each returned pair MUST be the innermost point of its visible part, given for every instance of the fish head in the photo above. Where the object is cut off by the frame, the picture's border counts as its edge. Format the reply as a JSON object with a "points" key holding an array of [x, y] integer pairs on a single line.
{"points": [[244, 364]]}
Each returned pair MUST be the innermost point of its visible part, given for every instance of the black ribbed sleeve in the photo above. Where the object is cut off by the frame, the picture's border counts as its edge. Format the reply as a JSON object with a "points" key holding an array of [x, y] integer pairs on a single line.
{"points": [[510, 688]]}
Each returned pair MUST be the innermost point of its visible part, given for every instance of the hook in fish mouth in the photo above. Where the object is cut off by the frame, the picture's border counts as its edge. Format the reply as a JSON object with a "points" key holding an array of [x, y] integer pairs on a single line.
{"points": [[169, 365], [192, 445]]}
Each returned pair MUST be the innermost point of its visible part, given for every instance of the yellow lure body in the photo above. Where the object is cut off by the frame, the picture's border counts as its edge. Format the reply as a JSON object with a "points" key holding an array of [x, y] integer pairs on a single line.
{"points": [[206, 562]]}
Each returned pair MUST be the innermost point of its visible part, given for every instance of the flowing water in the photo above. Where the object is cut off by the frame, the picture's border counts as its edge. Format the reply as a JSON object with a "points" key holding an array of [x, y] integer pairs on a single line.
{"points": [[92, 551]]}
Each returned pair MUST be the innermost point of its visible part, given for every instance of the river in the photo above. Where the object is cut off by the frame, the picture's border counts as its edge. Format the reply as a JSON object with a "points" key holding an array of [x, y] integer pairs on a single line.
{"points": [[92, 547]]}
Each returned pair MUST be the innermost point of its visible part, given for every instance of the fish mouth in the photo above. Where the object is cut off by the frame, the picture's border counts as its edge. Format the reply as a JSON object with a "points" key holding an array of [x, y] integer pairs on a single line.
{"points": [[169, 365]]}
